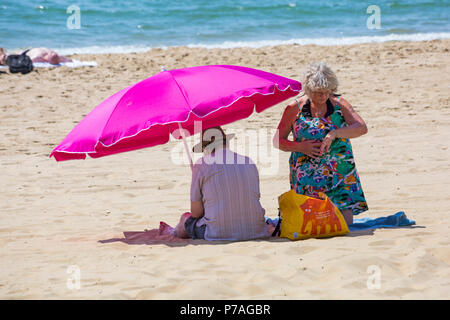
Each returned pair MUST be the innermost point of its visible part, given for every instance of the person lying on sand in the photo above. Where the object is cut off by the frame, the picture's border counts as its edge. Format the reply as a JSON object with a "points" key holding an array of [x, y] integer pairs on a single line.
{"points": [[37, 55], [225, 194]]}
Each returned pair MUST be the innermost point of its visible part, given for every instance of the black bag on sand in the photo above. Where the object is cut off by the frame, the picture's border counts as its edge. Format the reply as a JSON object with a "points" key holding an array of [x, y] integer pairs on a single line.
{"points": [[20, 63]]}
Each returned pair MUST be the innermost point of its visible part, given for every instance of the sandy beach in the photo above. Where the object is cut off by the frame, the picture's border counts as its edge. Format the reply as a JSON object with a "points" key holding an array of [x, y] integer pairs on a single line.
{"points": [[53, 215]]}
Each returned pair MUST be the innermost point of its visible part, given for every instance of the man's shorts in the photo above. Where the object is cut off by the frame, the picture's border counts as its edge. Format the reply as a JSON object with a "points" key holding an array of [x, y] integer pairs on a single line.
{"points": [[193, 230]]}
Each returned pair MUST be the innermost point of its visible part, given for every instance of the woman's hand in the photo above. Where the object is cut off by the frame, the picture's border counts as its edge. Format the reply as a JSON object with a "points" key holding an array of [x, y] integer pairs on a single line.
{"points": [[326, 142], [310, 147]]}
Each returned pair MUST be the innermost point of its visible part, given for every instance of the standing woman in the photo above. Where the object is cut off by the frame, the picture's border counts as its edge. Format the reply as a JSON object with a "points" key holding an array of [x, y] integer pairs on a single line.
{"points": [[321, 158]]}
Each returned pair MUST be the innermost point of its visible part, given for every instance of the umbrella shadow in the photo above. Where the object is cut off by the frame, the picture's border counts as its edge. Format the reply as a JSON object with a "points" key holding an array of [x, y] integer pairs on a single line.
{"points": [[153, 237], [164, 235], [371, 231], [359, 233], [149, 237]]}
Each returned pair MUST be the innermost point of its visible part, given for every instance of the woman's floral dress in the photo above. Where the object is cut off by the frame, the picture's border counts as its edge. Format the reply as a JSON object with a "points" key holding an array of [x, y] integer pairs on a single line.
{"points": [[333, 173]]}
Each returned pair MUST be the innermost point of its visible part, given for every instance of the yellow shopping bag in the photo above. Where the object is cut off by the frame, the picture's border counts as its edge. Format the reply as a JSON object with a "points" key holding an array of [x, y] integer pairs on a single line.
{"points": [[304, 217]]}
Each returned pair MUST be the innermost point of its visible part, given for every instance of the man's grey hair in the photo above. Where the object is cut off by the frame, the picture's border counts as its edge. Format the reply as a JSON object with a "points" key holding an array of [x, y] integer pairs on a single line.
{"points": [[319, 76]]}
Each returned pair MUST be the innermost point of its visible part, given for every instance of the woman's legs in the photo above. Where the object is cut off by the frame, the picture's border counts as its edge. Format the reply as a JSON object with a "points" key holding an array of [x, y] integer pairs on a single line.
{"points": [[348, 216]]}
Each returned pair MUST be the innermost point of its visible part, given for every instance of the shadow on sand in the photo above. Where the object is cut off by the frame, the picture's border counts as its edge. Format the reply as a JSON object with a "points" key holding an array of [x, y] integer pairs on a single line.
{"points": [[154, 237]]}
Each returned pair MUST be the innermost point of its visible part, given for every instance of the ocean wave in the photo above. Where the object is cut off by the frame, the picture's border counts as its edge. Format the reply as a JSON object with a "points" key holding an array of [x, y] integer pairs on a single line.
{"points": [[262, 43], [106, 49], [327, 41], [415, 5]]}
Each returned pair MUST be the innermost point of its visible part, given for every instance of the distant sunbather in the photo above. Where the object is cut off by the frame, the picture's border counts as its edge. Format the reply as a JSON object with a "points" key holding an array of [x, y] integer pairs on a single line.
{"points": [[37, 55]]}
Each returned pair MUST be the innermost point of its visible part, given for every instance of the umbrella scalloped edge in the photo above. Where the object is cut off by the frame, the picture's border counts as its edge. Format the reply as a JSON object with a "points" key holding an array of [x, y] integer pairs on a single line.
{"points": [[81, 155]]}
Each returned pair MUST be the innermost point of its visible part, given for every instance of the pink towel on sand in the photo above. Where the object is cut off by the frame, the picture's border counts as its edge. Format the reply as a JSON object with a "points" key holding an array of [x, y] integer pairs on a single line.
{"points": [[162, 235]]}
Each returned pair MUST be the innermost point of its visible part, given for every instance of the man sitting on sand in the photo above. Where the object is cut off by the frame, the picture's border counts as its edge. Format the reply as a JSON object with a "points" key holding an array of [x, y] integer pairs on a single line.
{"points": [[224, 194], [37, 55]]}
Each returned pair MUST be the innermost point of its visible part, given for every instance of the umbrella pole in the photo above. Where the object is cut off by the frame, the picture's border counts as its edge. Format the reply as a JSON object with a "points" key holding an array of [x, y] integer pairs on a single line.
{"points": [[186, 146]]}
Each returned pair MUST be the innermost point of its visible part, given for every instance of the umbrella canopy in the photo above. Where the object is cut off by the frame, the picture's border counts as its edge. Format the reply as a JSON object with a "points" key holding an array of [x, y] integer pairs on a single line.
{"points": [[145, 114]]}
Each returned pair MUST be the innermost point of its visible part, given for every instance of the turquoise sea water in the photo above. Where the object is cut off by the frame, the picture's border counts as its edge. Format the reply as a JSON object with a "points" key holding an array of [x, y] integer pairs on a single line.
{"points": [[126, 26]]}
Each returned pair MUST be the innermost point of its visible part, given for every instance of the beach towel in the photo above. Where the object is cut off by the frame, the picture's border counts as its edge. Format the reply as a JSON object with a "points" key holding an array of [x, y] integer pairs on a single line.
{"points": [[396, 220], [163, 235], [73, 64], [393, 221]]}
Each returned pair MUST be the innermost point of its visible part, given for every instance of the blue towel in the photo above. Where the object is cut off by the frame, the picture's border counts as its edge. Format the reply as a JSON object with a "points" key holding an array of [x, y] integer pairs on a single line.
{"points": [[394, 221]]}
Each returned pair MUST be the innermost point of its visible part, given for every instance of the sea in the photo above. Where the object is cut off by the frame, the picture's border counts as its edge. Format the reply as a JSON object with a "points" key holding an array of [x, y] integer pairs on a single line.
{"points": [[123, 26]]}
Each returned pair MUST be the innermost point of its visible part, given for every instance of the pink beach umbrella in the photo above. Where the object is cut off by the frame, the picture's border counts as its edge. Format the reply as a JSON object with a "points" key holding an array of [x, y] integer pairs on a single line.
{"points": [[147, 113]]}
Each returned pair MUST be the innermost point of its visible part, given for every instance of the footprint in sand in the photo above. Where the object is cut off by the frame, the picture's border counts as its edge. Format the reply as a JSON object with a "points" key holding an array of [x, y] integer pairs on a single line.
{"points": [[130, 195], [381, 243], [300, 250], [441, 253], [166, 186]]}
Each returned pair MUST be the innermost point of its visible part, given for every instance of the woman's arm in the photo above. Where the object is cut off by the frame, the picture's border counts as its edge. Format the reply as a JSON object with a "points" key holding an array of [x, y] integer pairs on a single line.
{"points": [[280, 140], [356, 126]]}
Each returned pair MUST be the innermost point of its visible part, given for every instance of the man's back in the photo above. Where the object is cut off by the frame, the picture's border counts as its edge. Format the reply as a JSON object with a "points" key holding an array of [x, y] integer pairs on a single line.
{"points": [[228, 185]]}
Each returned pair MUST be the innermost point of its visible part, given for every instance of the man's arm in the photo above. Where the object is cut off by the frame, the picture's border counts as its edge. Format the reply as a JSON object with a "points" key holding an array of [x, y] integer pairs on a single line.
{"points": [[197, 210]]}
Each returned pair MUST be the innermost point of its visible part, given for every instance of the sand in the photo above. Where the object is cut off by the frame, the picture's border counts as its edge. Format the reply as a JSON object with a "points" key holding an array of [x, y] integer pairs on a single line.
{"points": [[52, 215]]}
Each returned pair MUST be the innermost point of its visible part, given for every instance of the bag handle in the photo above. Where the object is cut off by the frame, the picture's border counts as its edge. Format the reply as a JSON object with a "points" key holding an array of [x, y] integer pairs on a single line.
{"points": [[277, 230]]}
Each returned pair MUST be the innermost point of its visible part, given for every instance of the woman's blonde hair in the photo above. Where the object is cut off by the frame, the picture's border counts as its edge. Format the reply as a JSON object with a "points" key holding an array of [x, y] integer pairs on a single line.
{"points": [[319, 76]]}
